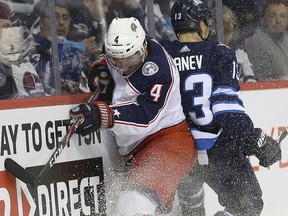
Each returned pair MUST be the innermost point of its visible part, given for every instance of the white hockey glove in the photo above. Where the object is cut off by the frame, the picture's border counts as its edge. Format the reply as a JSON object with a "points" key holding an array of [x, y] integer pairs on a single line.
{"points": [[266, 149]]}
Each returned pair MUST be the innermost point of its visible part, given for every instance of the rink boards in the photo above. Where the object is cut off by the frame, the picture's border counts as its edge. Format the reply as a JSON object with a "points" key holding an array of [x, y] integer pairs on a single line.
{"points": [[30, 130]]}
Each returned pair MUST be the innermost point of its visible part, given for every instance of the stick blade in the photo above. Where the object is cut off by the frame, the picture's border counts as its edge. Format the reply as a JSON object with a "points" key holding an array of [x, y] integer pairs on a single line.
{"points": [[19, 172]]}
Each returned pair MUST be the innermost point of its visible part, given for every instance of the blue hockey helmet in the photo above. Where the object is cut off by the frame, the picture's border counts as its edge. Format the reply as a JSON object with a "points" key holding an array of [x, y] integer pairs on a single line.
{"points": [[187, 14]]}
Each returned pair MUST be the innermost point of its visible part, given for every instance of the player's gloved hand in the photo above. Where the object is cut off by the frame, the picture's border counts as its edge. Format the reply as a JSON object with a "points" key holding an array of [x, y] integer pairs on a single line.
{"points": [[265, 148], [98, 74], [94, 116]]}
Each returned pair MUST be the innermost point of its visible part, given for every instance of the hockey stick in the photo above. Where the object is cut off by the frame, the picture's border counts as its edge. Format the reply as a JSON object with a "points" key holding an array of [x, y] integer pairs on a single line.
{"points": [[282, 136], [19, 172]]}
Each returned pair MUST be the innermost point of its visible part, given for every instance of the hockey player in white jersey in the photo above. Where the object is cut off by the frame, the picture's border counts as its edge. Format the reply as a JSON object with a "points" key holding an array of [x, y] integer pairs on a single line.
{"points": [[145, 116]]}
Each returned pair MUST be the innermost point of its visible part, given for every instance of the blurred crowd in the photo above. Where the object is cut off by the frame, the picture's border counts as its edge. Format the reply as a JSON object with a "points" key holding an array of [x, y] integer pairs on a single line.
{"points": [[30, 66]]}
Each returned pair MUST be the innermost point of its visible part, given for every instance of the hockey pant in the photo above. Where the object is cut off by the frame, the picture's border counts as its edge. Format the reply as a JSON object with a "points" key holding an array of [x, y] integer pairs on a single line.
{"points": [[159, 164], [230, 175]]}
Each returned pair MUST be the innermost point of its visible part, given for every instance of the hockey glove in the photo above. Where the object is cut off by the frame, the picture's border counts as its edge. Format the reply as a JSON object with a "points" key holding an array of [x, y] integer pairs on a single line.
{"points": [[99, 74], [94, 116], [265, 148]]}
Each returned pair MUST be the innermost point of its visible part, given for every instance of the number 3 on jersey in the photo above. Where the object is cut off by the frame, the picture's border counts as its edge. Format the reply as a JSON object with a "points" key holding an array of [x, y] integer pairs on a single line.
{"points": [[200, 111]]}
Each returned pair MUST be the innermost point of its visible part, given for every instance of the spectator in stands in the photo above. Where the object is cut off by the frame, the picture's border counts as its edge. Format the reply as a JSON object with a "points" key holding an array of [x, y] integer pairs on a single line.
{"points": [[97, 25], [246, 73], [268, 47], [5, 14], [91, 17], [124, 9], [247, 13], [7, 83], [88, 19], [18, 78], [72, 55], [162, 19], [23, 10]]}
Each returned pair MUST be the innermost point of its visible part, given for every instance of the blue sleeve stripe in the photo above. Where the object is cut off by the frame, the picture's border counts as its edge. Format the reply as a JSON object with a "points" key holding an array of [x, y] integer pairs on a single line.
{"points": [[227, 107], [226, 91]]}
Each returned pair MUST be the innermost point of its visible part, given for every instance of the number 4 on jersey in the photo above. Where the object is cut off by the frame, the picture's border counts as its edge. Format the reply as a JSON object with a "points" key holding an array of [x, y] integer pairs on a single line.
{"points": [[155, 92]]}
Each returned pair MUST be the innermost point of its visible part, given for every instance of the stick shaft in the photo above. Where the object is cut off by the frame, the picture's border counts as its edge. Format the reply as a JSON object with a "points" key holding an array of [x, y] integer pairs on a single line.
{"points": [[282, 136], [63, 142]]}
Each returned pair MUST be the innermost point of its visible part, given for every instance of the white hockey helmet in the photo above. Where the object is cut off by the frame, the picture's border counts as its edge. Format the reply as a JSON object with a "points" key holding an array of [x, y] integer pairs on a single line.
{"points": [[124, 38]]}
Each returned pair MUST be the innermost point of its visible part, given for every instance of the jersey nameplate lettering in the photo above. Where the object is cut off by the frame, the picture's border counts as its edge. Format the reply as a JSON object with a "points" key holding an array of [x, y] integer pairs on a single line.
{"points": [[188, 62]]}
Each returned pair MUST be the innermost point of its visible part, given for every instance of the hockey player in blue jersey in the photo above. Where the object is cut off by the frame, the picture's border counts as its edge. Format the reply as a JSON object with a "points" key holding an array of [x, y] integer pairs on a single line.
{"points": [[145, 116], [223, 132]]}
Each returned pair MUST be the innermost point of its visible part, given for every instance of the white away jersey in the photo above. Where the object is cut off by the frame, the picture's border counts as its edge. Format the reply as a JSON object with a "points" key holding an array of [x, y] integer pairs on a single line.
{"points": [[146, 101]]}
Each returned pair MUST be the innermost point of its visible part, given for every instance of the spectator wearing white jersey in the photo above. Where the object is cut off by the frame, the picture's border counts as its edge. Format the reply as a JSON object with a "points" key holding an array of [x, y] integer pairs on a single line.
{"points": [[18, 78]]}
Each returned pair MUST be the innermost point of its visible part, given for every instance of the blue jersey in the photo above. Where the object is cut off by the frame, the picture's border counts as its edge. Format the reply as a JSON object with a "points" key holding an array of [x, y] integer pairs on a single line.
{"points": [[210, 91]]}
